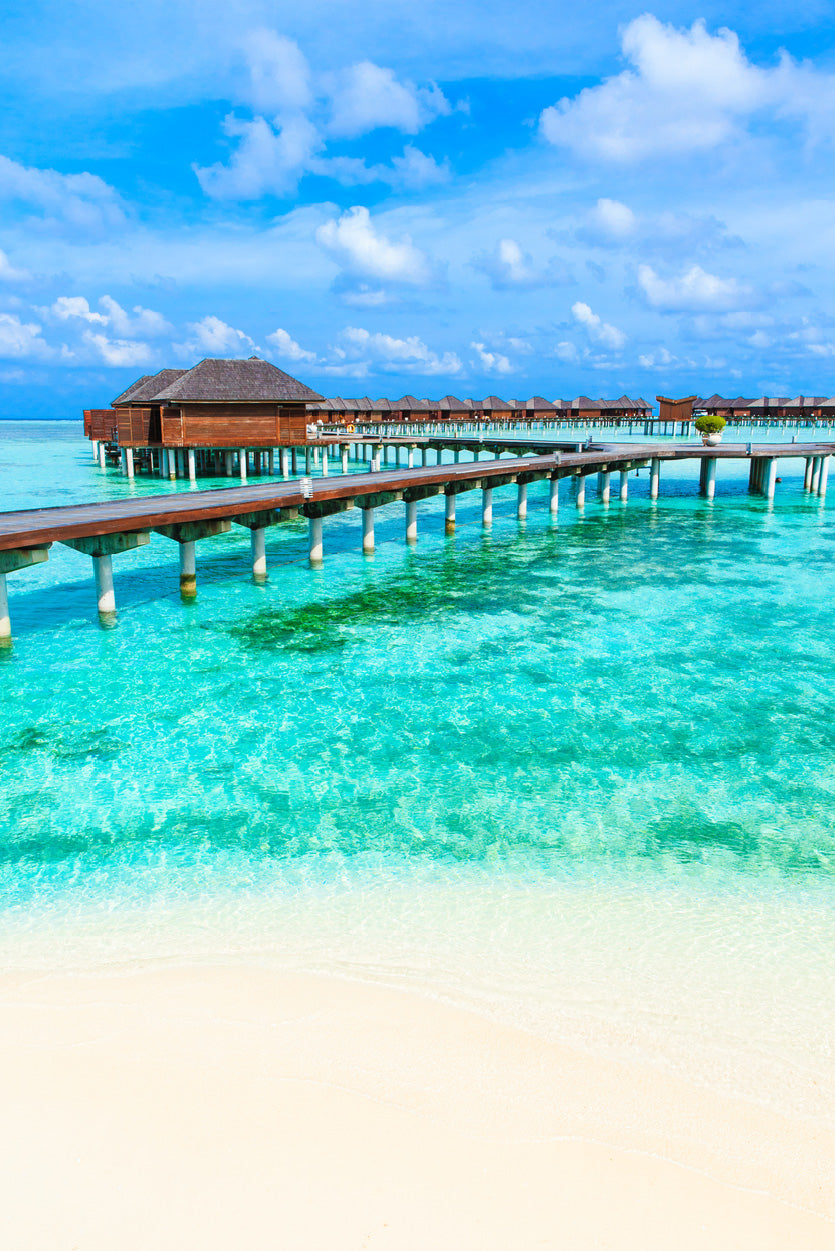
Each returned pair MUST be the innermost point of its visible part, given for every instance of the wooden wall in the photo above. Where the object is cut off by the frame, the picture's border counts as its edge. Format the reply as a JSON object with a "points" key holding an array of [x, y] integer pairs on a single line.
{"points": [[100, 423], [292, 424], [133, 426], [229, 425]]}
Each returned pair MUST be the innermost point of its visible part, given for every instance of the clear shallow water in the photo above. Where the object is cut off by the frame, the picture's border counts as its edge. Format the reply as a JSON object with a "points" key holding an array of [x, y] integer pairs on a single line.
{"points": [[579, 773]]}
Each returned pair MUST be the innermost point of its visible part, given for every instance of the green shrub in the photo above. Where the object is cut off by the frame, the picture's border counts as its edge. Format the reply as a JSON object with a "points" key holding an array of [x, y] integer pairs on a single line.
{"points": [[710, 425]]}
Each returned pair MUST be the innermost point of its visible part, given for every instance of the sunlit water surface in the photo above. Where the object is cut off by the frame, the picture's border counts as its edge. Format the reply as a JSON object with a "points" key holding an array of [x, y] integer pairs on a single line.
{"points": [[577, 773]]}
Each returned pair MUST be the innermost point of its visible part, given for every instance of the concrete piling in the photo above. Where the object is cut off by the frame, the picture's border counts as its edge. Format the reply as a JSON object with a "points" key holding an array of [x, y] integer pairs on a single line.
{"points": [[521, 501], [654, 477], [449, 514], [487, 506], [411, 521], [368, 531], [258, 548], [314, 535]]}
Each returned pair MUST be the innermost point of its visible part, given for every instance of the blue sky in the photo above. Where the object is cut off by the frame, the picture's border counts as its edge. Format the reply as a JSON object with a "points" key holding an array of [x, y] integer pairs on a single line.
{"points": [[388, 198]]}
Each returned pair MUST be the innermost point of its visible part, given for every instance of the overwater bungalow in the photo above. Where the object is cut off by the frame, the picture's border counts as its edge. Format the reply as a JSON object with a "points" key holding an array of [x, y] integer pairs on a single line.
{"points": [[217, 404]]}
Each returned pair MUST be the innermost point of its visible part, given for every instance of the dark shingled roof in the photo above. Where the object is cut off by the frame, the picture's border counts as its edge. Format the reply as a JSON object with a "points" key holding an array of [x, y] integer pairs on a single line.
{"points": [[451, 404], [538, 404], [147, 386], [251, 381]]}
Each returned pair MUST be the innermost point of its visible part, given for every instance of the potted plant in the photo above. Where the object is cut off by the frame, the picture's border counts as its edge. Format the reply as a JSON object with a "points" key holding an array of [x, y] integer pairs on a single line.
{"points": [[710, 428]]}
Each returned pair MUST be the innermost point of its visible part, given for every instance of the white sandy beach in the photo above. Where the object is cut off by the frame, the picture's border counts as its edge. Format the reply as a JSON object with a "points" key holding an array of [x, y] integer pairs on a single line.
{"points": [[237, 1106]]}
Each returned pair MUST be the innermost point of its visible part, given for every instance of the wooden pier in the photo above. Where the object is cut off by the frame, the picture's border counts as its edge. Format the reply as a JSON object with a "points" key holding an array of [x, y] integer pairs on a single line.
{"points": [[102, 530]]}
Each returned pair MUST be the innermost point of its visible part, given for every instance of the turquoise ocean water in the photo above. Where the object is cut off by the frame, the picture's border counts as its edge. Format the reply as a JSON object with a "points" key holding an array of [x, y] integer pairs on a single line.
{"points": [[577, 772]]}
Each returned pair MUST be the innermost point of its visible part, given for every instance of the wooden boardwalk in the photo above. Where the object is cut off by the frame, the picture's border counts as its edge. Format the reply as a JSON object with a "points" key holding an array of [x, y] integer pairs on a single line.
{"points": [[33, 527], [104, 529]]}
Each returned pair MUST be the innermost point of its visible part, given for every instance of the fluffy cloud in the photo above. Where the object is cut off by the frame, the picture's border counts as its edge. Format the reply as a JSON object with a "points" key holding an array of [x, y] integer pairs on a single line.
{"points": [[266, 161], [598, 331], [613, 219], [491, 362], [8, 273], [143, 321], [117, 351], [361, 250], [279, 79], [367, 96], [214, 337], [360, 352], [509, 267], [83, 201], [295, 117], [686, 91], [694, 290], [19, 338], [287, 348]]}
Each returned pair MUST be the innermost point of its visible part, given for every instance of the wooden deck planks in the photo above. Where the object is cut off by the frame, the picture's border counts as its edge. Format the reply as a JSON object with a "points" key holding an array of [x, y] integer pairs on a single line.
{"points": [[32, 527]]}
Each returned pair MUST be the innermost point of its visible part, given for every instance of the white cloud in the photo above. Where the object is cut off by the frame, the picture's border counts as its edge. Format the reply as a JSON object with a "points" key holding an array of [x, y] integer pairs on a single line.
{"points": [[279, 75], [266, 161], [19, 338], [295, 115], [599, 331], [143, 323], [360, 249], [361, 351], [213, 336], [84, 200], [685, 91], [492, 362], [414, 170], [117, 351], [567, 352], [694, 290], [68, 306], [8, 273], [367, 96], [288, 348], [509, 267], [657, 360], [613, 219]]}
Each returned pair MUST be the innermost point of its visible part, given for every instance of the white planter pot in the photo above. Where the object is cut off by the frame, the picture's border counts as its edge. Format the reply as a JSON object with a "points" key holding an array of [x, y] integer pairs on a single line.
{"points": [[710, 440]]}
